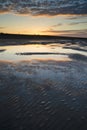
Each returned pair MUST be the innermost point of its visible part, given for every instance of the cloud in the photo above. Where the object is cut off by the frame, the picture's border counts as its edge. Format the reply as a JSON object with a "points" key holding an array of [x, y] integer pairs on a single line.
{"points": [[80, 33], [44, 7], [75, 23], [71, 23], [56, 25], [76, 17], [65, 31], [2, 28]]}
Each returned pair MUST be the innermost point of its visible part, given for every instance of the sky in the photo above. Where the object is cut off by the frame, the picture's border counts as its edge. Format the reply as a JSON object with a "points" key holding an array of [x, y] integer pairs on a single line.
{"points": [[44, 17]]}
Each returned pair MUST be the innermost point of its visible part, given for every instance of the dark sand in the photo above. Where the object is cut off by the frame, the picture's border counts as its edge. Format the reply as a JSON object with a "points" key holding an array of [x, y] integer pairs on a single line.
{"points": [[43, 95]]}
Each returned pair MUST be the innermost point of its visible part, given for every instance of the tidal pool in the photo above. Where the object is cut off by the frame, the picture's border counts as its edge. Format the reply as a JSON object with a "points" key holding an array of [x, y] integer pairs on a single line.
{"points": [[53, 51]]}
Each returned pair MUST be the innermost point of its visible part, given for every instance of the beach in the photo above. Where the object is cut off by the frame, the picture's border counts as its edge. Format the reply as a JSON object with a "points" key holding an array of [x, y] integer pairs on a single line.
{"points": [[45, 93]]}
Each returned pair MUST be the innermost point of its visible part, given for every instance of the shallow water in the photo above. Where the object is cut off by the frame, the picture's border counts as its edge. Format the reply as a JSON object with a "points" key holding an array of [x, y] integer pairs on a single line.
{"points": [[54, 51]]}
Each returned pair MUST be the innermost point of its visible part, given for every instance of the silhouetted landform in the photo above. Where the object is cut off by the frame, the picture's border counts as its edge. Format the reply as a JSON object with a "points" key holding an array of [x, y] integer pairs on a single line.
{"points": [[15, 39], [35, 37], [2, 50]]}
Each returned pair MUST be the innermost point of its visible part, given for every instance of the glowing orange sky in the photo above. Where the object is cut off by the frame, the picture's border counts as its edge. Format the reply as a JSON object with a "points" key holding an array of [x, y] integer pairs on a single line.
{"points": [[57, 25]]}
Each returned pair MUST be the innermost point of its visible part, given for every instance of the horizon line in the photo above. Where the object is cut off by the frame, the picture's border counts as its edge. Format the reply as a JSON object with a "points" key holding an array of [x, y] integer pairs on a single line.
{"points": [[61, 36]]}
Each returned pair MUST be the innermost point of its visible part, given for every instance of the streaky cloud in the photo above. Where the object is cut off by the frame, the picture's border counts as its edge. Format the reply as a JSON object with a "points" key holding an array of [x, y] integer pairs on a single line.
{"points": [[66, 31], [56, 25], [75, 17], [75, 23], [80, 33], [71, 23], [2, 27]]}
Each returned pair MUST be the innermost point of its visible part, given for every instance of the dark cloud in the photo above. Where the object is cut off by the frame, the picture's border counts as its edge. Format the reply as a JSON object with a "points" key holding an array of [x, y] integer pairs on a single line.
{"points": [[44, 7]]}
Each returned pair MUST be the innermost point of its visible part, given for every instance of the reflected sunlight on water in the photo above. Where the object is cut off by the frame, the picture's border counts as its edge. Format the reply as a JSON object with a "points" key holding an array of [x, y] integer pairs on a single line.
{"points": [[54, 51]]}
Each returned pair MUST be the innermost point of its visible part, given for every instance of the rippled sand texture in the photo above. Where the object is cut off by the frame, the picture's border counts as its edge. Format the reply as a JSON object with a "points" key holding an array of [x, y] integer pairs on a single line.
{"points": [[43, 95]]}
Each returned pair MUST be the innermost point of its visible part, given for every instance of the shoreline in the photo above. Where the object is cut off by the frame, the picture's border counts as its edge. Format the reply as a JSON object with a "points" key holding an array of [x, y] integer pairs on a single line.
{"points": [[15, 41]]}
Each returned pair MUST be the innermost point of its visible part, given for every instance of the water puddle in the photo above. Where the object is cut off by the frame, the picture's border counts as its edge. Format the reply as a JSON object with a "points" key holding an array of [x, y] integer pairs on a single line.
{"points": [[53, 51]]}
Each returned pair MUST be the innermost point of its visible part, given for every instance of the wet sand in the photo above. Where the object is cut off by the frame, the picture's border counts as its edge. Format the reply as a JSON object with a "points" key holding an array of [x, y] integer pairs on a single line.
{"points": [[43, 95]]}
